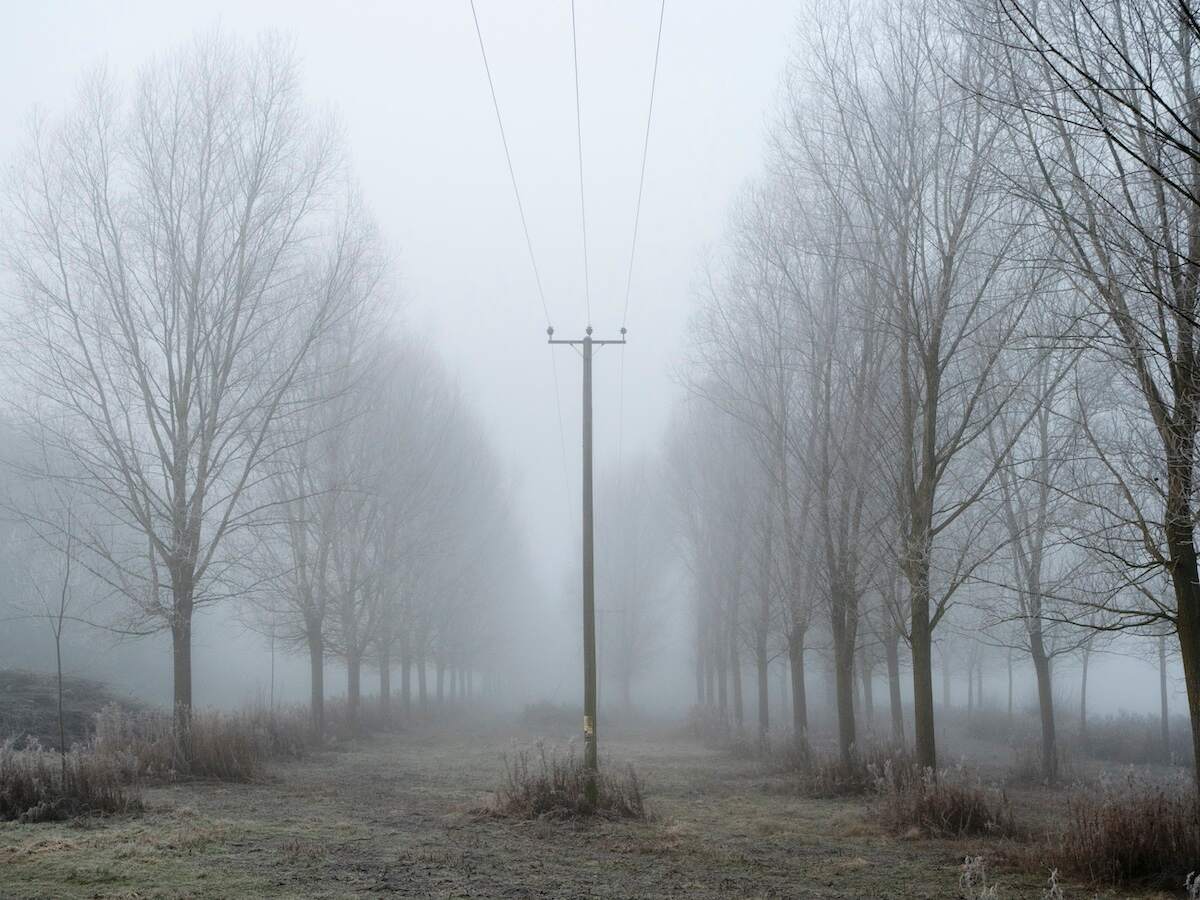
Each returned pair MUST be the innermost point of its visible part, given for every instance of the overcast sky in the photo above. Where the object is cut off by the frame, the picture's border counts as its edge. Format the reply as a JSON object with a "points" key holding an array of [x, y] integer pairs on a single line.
{"points": [[405, 78]]}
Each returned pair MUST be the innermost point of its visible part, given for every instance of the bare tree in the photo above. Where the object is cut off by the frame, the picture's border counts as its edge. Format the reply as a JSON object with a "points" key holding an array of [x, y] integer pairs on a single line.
{"points": [[711, 467], [1035, 509], [163, 248], [1103, 99], [922, 159], [56, 603], [632, 564], [748, 360]]}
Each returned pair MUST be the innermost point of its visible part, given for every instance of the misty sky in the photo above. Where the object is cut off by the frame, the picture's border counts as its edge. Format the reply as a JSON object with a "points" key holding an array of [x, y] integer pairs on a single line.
{"points": [[406, 80]]}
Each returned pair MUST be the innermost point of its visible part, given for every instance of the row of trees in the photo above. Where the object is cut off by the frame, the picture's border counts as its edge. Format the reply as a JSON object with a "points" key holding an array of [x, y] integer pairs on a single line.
{"points": [[199, 349], [946, 364], [395, 542]]}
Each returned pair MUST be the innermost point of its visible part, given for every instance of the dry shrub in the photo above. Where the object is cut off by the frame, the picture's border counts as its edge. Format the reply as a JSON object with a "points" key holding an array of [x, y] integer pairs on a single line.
{"points": [[39, 786], [973, 881], [224, 746], [828, 775], [950, 804], [1132, 835], [544, 784]]}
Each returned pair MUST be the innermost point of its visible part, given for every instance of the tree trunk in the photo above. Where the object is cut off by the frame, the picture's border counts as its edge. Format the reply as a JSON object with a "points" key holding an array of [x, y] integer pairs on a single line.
{"points": [[1187, 628], [1185, 577], [316, 680], [829, 686], [385, 681], [1010, 686], [406, 665], [945, 683], [441, 681], [799, 698], [866, 669], [62, 726], [918, 551], [761, 633], [970, 688], [722, 686], [1045, 686], [1164, 710], [422, 690], [892, 649], [1189, 651], [784, 694], [922, 664], [843, 657], [353, 688], [761, 664], [1083, 723], [735, 671], [855, 690], [181, 658], [842, 628]]}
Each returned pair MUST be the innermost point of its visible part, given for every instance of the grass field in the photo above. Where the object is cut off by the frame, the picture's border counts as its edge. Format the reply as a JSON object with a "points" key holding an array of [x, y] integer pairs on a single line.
{"points": [[401, 815]]}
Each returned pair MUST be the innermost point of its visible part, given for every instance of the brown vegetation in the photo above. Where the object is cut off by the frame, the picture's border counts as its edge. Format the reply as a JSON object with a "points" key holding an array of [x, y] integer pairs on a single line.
{"points": [[1144, 836], [224, 746], [39, 786], [950, 804], [818, 774], [543, 784]]}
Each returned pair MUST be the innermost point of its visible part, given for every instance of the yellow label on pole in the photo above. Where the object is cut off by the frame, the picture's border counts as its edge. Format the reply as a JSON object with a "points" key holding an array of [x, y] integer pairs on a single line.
{"points": [[589, 727]]}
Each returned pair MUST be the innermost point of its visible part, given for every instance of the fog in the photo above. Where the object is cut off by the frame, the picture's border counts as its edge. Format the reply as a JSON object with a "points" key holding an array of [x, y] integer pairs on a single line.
{"points": [[408, 87], [898, 457]]}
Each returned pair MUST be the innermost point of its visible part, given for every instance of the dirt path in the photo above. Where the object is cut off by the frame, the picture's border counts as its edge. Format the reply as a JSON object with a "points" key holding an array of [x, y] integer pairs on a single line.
{"points": [[397, 817]]}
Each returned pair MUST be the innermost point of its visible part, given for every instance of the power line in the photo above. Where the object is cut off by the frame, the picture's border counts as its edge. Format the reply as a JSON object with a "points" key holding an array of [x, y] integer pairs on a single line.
{"points": [[637, 215], [511, 171], [537, 277], [587, 292]]}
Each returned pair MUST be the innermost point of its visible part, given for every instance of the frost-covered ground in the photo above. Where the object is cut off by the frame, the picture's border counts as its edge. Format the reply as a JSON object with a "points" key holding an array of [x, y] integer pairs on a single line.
{"points": [[399, 815]]}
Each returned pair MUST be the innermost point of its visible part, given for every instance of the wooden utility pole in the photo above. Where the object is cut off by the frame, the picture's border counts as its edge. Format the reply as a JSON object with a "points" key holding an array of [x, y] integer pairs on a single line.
{"points": [[591, 757]]}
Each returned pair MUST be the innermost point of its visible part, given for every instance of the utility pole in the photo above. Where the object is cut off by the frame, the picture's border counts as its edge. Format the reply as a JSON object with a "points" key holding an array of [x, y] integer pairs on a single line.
{"points": [[590, 755]]}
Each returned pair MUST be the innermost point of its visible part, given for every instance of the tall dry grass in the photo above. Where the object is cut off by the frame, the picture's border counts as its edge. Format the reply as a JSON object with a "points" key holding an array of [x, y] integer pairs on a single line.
{"points": [[37, 785], [951, 803], [1129, 835], [819, 774], [545, 784], [224, 746]]}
